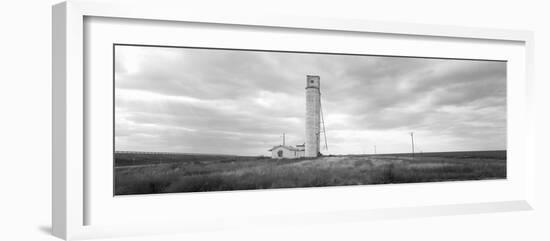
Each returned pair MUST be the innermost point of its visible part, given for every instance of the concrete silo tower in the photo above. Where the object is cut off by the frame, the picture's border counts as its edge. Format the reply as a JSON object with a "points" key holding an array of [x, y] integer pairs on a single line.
{"points": [[313, 113]]}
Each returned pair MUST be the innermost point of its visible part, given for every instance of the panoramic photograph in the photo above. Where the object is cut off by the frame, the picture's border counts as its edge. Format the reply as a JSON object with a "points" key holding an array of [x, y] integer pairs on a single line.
{"points": [[190, 119]]}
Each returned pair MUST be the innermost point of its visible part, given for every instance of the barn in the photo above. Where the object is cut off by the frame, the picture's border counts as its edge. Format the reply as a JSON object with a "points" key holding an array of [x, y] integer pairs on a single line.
{"points": [[283, 151]]}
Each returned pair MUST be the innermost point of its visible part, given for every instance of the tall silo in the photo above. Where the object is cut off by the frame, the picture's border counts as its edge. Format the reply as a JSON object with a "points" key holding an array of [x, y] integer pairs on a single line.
{"points": [[313, 110]]}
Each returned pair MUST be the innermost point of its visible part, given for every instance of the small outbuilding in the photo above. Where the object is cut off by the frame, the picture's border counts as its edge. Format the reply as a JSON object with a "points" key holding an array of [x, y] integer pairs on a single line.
{"points": [[283, 151]]}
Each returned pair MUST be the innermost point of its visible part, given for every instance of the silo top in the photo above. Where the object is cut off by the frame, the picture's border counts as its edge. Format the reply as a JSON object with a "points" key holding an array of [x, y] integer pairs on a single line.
{"points": [[313, 81]]}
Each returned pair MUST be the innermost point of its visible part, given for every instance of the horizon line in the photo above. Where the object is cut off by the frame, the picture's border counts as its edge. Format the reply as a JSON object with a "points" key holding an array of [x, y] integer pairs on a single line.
{"points": [[328, 154]]}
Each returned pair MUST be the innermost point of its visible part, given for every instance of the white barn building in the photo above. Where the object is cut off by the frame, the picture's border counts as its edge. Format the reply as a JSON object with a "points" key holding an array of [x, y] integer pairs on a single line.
{"points": [[283, 151]]}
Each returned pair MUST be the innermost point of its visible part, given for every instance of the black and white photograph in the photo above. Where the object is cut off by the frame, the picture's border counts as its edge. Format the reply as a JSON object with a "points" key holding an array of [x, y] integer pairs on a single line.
{"points": [[275, 120], [189, 119]]}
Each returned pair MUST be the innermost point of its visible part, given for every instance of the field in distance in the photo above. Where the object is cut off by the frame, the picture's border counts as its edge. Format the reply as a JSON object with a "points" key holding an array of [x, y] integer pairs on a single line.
{"points": [[147, 173]]}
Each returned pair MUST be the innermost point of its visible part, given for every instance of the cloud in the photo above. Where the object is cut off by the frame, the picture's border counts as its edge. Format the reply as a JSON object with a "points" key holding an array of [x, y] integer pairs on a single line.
{"points": [[240, 102]]}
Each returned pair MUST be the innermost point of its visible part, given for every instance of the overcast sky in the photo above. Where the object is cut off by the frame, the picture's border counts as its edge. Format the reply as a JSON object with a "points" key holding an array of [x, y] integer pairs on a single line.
{"points": [[240, 102]]}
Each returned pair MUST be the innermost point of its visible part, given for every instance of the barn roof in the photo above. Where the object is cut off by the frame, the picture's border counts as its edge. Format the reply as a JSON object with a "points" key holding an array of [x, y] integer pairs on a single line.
{"points": [[286, 147]]}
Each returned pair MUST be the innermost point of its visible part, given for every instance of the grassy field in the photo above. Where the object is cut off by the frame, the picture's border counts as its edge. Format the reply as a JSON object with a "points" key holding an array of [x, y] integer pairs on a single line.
{"points": [[142, 173]]}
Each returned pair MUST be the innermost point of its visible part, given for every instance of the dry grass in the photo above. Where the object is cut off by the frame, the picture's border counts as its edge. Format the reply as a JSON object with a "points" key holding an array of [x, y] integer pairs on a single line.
{"points": [[245, 173]]}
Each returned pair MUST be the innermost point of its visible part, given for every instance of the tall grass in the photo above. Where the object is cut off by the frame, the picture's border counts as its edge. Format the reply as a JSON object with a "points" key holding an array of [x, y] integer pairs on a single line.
{"points": [[262, 173]]}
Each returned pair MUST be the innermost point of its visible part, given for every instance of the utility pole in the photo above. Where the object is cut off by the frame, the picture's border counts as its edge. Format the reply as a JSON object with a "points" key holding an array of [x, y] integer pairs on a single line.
{"points": [[374, 149], [283, 138], [412, 143]]}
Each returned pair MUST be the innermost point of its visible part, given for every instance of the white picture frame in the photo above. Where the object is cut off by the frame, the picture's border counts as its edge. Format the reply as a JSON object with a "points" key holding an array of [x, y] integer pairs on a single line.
{"points": [[71, 188]]}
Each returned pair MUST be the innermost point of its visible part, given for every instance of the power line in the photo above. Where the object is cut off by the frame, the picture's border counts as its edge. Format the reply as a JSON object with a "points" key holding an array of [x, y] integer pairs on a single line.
{"points": [[323, 121]]}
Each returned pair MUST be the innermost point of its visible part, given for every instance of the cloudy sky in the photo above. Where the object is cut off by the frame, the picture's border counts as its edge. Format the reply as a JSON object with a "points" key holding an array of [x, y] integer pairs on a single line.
{"points": [[240, 102]]}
